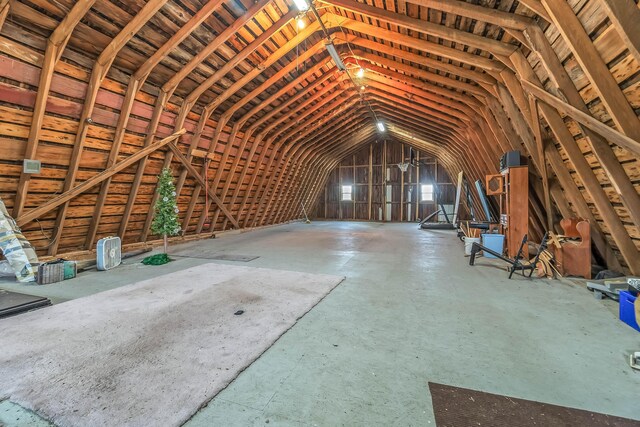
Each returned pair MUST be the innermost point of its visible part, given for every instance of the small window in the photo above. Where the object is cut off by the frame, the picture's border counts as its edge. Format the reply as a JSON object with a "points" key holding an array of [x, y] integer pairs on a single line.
{"points": [[347, 192], [426, 193]]}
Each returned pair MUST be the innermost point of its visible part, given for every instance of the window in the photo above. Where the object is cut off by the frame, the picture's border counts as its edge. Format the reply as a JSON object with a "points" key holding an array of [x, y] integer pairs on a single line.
{"points": [[346, 193], [426, 193]]}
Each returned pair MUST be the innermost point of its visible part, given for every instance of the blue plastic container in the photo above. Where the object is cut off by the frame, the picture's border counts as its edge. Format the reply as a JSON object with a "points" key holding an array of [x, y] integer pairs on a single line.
{"points": [[495, 242], [627, 310]]}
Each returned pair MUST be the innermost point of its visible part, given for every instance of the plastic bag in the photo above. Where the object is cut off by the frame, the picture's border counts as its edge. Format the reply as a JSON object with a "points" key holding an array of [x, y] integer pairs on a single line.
{"points": [[16, 249], [5, 268]]}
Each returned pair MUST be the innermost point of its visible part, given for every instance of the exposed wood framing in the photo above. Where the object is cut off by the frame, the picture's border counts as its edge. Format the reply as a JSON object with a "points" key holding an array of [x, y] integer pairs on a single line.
{"points": [[55, 46], [92, 182], [460, 82]]}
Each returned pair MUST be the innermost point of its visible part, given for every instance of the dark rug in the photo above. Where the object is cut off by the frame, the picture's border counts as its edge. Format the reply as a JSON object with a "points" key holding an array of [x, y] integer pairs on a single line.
{"points": [[12, 303], [461, 407], [219, 257]]}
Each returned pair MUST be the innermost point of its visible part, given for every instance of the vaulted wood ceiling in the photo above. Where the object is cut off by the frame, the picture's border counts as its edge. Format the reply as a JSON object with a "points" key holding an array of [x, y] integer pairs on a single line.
{"points": [[87, 85]]}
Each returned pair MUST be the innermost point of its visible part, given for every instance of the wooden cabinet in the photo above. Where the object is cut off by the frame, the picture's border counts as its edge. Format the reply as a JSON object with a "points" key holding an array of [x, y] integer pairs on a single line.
{"points": [[514, 208]]}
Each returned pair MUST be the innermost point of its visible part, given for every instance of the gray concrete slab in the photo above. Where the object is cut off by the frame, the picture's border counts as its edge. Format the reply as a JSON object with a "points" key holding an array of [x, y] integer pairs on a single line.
{"points": [[410, 311]]}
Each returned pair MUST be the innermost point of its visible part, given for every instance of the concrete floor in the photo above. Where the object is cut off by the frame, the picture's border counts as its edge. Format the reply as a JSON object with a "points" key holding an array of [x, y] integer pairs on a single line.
{"points": [[410, 311]]}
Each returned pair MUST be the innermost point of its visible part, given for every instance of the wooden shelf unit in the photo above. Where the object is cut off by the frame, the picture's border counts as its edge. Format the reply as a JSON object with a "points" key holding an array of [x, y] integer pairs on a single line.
{"points": [[514, 208]]}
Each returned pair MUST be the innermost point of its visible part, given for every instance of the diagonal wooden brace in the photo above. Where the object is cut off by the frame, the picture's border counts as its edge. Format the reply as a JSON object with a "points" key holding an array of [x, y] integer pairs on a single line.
{"points": [[607, 132], [92, 182], [194, 172]]}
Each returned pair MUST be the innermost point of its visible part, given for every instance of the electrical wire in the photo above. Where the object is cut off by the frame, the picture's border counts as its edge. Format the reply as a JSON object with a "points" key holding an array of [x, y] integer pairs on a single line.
{"points": [[328, 37]]}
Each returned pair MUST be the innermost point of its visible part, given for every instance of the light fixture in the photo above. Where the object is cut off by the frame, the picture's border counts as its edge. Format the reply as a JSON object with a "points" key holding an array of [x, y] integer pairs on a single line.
{"points": [[380, 126], [300, 23], [302, 5], [334, 55], [360, 73], [361, 87]]}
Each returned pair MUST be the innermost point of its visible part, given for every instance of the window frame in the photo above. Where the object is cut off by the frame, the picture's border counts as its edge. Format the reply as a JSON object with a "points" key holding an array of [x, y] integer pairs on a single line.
{"points": [[423, 193], [343, 193]]}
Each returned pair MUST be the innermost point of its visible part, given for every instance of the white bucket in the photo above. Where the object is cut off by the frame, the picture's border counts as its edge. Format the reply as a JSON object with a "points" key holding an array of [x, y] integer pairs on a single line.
{"points": [[468, 242]]}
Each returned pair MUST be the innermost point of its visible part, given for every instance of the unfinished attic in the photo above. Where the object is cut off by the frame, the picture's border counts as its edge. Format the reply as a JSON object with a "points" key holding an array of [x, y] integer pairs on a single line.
{"points": [[319, 212]]}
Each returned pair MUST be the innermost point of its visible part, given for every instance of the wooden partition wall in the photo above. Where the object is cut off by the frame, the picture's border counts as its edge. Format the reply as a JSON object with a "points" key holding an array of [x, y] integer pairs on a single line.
{"points": [[381, 191]]}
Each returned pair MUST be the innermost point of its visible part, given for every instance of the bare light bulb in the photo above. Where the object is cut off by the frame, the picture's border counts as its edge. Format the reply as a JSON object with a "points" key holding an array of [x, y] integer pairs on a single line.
{"points": [[300, 23], [360, 73], [302, 5]]}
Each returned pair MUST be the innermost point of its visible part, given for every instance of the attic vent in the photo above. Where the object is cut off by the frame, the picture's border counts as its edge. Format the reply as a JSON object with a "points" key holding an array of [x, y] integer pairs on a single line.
{"points": [[31, 166]]}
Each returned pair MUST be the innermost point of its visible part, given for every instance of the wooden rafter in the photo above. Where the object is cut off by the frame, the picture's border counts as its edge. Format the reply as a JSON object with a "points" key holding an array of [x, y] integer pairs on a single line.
{"points": [[415, 43], [625, 16], [585, 119], [92, 182], [55, 45], [479, 42], [594, 67], [98, 73]]}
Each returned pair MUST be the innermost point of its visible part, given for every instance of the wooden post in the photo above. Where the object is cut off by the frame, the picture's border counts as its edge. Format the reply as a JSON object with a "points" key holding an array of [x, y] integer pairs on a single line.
{"points": [[625, 17], [339, 191], [370, 172], [401, 184], [353, 188], [417, 185], [540, 143], [384, 181], [435, 184]]}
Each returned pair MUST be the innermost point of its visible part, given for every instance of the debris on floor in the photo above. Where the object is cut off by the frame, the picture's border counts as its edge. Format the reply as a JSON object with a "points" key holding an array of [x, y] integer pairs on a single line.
{"points": [[611, 288], [56, 271], [634, 360], [16, 248]]}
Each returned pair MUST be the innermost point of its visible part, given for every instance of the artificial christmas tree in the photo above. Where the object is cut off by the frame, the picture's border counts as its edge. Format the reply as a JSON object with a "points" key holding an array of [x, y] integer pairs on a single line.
{"points": [[165, 218]]}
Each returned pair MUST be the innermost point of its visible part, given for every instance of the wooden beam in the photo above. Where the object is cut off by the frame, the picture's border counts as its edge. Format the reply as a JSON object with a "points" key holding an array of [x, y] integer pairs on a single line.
{"points": [[137, 180], [481, 13], [171, 85], [540, 143], [600, 147], [254, 146], [564, 178], [241, 56], [625, 17], [225, 117], [185, 30], [195, 174], [204, 53], [592, 186], [274, 57], [594, 67], [92, 182], [319, 120], [4, 11], [55, 46], [340, 103], [583, 169], [472, 40], [98, 73], [415, 43], [258, 139], [453, 84], [587, 120], [536, 7], [133, 88], [474, 75]]}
